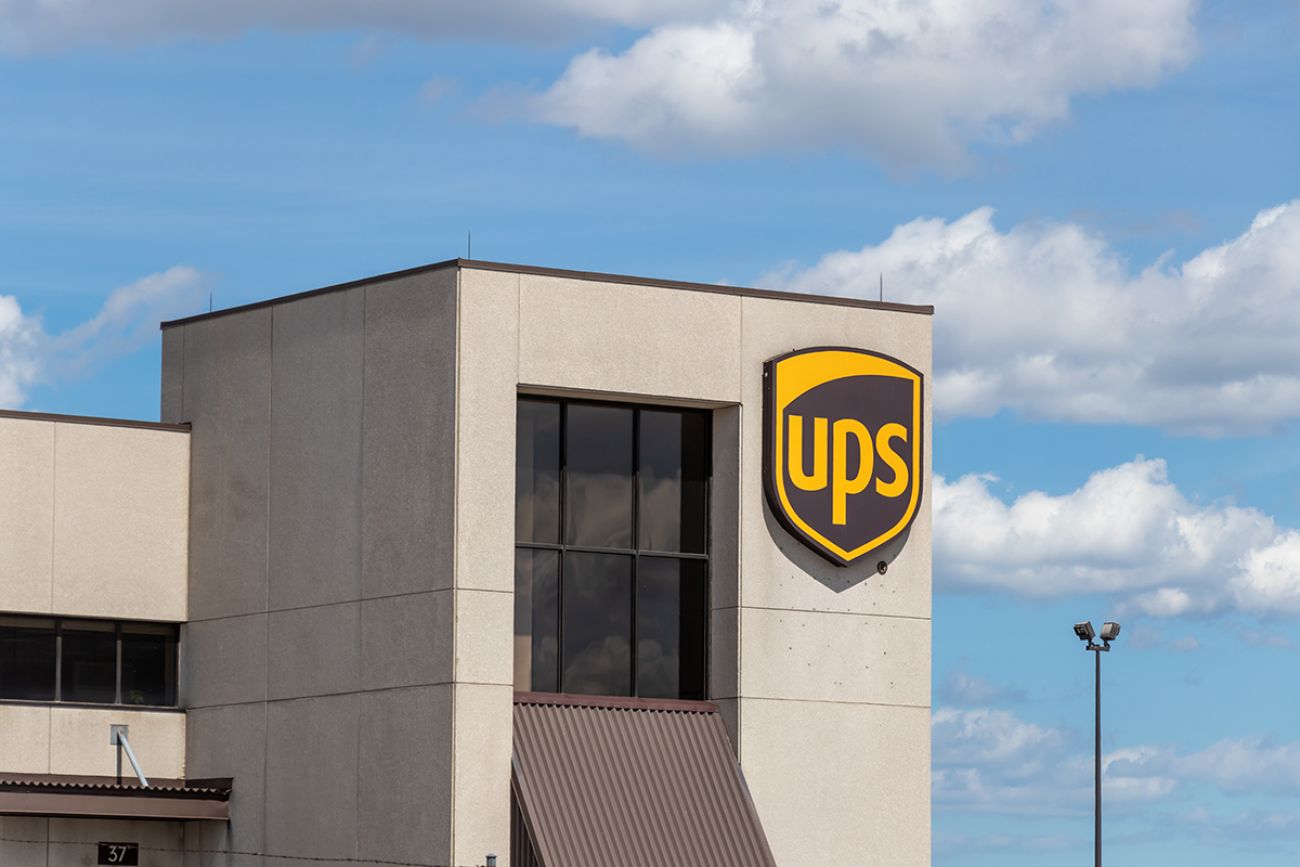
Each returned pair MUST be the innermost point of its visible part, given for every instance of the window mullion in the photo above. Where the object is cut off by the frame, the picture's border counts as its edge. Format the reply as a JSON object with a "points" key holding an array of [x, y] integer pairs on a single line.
{"points": [[117, 665], [636, 544], [564, 537], [58, 660]]}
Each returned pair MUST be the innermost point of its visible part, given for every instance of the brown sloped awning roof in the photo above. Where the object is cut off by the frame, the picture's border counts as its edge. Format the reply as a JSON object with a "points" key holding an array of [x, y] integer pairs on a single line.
{"points": [[61, 796], [632, 782]]}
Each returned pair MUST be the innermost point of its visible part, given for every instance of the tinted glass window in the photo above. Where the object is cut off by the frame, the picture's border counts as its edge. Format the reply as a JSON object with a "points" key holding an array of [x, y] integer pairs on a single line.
{"points": [[148, 664], [671, 607], [673, 481], [598, 474], [597, 624], [537, 620], [537, 472], [27, 659], [89, 666], [611, 565]]}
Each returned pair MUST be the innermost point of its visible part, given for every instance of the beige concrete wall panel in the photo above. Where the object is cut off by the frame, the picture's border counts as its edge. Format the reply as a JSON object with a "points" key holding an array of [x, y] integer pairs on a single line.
{"points": [[839, 783], [121, 522], [724, 653], [224, 661], [724, 509], [404, 791], [316, 401], [311, 777], [79, 741], [314, 651], [637, 340], [407, 640], [483, 738], [22, 841], [817, 656], [779, 571], [485, 438], [226, 397], [729, 710], [25, 739], [171, 401], [162, 844], [485, 636], [26, 514], [230, 742], [409, 431]]}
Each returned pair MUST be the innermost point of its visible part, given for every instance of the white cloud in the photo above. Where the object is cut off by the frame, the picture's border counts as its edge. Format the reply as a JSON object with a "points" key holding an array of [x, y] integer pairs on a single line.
{"points": [[19, 336], [1048, 320], [962, 688], [1127, 530], [31, 26], [912, 82], [127, 321], [991, 761]]}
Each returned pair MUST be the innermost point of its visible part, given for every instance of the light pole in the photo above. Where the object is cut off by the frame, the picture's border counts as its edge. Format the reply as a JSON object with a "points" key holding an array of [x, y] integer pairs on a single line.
{"points": [[1109, 632]]}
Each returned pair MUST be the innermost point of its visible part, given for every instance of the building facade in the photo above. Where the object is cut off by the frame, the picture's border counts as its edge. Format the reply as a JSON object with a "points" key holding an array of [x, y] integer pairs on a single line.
{"points": [[431, 538]]}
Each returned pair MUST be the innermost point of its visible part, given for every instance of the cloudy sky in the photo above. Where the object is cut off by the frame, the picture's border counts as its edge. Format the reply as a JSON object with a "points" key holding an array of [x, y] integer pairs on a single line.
{"points": [[1101, 198]]}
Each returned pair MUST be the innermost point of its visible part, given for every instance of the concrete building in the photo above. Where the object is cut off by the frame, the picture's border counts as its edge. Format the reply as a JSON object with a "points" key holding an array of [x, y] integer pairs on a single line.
{"points": [[480, 551]]}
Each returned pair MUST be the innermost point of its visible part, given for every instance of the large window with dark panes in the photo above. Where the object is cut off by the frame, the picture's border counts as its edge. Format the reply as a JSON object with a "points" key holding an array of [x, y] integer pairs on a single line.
{"points": [[611, 556], [49, 659]]}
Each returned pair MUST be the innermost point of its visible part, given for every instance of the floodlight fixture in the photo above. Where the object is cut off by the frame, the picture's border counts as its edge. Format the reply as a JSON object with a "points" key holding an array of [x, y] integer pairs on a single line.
{"points": [[1109, 631], [1084, 631]]}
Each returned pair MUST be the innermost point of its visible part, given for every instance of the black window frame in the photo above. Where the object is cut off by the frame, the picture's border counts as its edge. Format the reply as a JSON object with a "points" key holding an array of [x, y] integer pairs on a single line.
{"points": [[635, 552], [118, 627]]}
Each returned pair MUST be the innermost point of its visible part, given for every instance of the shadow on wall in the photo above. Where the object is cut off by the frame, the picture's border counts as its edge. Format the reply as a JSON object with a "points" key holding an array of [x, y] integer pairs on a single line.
{"points": [[833, 577]]}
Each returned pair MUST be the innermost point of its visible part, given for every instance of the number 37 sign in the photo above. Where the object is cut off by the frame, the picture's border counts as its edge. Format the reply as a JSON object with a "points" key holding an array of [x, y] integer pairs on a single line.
{"points": [[120, 854]]}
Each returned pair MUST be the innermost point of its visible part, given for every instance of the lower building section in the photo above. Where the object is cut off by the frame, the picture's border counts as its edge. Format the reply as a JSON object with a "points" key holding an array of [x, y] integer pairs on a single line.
{"points": [[44, 842]]}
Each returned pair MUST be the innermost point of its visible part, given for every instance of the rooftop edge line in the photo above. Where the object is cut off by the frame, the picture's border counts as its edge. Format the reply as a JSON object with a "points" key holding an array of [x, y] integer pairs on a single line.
{"points": [[594, 276], [93, 419]]}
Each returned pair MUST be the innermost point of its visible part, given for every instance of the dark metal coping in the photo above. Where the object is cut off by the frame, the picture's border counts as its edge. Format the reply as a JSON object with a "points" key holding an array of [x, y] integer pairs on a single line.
{"points": [[90, 419], [633, 782], [65, 796], [596, 276]]}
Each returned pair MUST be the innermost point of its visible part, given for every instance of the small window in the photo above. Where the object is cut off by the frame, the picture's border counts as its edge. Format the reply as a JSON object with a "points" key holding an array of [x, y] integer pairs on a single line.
{"points": [[611, 559], [28, 653], [87, 661]]}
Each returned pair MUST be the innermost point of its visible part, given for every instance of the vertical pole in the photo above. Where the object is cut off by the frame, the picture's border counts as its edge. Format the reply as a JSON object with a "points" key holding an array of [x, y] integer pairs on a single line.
{"points": [[118, 740], [1097, 762]]}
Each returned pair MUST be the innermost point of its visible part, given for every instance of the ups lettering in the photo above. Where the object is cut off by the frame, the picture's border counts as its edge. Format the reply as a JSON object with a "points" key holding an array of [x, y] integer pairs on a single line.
{"points": [[842, 448], [830, 447]]}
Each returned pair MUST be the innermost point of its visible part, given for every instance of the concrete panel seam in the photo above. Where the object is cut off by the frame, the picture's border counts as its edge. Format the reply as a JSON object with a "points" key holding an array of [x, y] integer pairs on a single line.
{"points": [[54, 507], [266, 572], [925, 707], [823, 611], [361, 547], [455, 553], [330, 604]]}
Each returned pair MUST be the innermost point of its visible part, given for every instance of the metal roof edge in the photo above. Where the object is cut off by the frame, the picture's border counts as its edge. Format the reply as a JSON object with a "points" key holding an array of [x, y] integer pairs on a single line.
{"points": [[93, 420], [564, 273]]}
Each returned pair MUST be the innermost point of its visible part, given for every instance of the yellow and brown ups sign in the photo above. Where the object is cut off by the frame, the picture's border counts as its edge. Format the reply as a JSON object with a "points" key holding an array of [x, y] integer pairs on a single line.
{"points": [[842, 448]]}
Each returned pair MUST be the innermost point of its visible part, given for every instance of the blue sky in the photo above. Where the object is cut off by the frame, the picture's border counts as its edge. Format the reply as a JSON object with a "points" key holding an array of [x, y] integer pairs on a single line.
{"points": [[1099, 200]]}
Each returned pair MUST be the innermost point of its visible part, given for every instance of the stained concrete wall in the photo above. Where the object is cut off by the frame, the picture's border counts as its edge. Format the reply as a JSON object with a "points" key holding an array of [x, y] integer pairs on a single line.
{"points": [[319, 655], [823, 673]]}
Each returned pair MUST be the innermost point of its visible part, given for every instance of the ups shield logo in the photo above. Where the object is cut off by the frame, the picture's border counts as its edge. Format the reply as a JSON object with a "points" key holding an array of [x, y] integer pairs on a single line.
{"points": [[842, 448]]}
